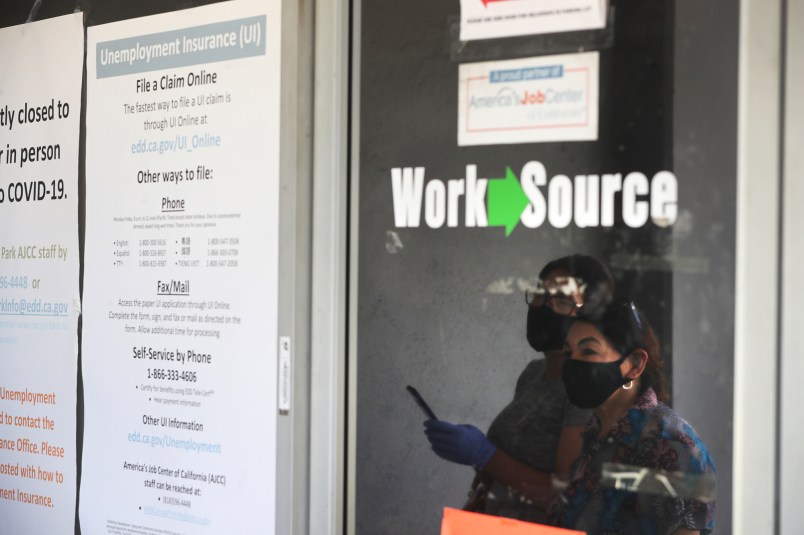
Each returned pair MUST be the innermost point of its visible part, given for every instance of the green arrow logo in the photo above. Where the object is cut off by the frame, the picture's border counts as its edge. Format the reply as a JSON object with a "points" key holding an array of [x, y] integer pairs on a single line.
{"points": [[506, 201]]}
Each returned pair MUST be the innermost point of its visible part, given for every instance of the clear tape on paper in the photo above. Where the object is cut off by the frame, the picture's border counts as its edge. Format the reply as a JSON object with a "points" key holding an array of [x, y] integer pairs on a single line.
{"points": [[699, 487], [284, 375]]}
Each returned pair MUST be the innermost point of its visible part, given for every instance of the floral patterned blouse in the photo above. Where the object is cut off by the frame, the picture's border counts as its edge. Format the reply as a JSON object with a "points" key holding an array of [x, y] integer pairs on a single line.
{"points": [[649, 435]]}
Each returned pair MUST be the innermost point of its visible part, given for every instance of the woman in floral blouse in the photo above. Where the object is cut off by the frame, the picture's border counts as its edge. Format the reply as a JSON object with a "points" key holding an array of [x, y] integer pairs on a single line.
{"points": [[613, 366]]}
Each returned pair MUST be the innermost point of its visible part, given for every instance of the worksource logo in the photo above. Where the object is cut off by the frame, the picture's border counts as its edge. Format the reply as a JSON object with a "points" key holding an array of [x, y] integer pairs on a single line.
{"points": [[532, 199]]}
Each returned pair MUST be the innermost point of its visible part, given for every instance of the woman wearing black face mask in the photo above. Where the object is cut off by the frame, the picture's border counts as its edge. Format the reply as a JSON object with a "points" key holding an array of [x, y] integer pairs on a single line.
{"points": [[533, 441], [614, 367]]}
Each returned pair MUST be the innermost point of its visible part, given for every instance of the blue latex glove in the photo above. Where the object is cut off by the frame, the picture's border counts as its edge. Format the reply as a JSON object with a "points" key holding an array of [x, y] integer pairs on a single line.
{"points": [[462, 444]]}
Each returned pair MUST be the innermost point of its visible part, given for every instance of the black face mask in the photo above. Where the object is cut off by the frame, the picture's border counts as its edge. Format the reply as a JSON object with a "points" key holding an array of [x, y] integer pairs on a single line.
{"points": [[546, 329], [589, 384]]}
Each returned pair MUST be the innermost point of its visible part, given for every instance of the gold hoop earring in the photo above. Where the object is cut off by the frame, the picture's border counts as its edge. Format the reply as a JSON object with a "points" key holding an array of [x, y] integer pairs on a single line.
{"points": [[629, 385]]}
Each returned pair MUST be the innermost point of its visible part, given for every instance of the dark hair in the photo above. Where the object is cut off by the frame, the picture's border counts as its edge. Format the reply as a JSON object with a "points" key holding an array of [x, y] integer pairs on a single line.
{"points": [[627, 329], [589, 270], [653, 376]]}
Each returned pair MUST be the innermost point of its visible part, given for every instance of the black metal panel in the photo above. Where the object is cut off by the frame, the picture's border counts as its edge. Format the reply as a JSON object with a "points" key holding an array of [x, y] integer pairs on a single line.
{"points": [[430, 311]]}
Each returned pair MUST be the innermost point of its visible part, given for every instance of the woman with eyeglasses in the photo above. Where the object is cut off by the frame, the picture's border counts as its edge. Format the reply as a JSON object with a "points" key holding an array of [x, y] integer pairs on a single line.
{"points": [[642, 468], [536, 437]]}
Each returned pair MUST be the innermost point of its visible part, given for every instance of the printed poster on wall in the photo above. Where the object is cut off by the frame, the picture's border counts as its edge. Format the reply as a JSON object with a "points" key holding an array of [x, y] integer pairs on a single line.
{"points": [[179, 340], [546, 98], [488, 19], [40, 110]]}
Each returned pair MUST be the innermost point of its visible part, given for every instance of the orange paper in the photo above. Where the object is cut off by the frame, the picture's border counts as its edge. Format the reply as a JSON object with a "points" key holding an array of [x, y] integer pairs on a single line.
{"points": [[457, 522]]}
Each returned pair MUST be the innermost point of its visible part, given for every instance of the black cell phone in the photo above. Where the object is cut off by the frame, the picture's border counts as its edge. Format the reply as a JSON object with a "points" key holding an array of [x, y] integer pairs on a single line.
{"points": [[421, 403]]}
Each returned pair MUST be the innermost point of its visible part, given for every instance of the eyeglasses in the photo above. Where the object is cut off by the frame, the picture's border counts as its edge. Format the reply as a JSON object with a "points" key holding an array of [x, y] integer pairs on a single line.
{"points": [[635, 314], [624, 312], [559, 303], [622, 324]]}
